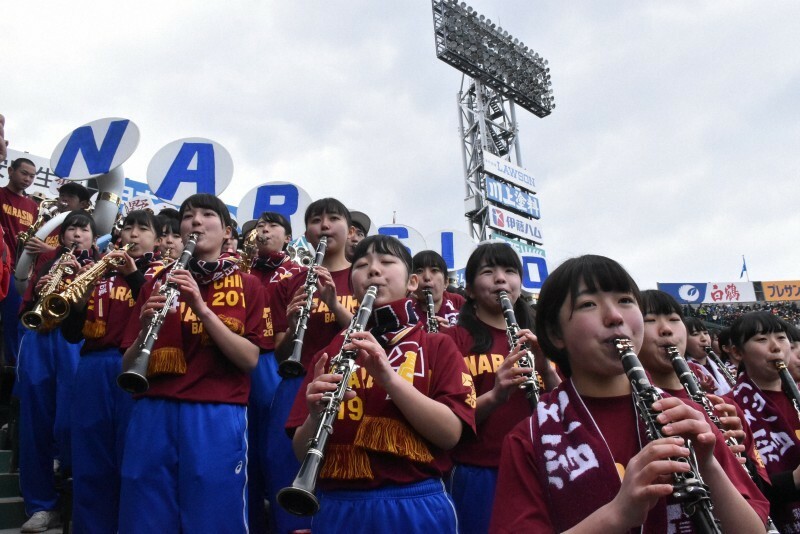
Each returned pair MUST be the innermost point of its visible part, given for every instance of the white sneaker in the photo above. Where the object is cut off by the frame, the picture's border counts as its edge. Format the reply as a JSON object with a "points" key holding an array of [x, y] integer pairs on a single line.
{"points": [[41, 521]]}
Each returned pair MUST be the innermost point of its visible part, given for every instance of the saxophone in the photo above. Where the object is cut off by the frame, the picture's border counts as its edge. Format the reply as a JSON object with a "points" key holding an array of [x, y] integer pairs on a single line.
{"points": [[249, 251], [48, 208], [57, 305], [37, 319]]}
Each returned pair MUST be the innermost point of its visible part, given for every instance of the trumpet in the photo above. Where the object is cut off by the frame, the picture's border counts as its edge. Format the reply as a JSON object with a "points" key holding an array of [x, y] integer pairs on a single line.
{"points": [[37, 319], [57, 305], [134, 380], [433, 324], [291, 367], [300, 255], [531, 384], [299, 498], [688, 487]]}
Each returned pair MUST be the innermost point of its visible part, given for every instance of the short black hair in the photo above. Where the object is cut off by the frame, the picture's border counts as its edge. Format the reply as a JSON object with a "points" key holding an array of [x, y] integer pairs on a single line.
{"points": [[598, 273], [80, 219], [329, 206], [19, 161], [694, 325], [74, 188], [144, 218], [753, 323], [207, 201], [429, 258], [275, 217], [659, 303], [383, 244], [168, 223]]}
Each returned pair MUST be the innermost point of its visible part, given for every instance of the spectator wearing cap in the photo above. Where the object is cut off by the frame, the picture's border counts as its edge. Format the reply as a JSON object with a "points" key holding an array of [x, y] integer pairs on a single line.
{"points": [[360, 224]]}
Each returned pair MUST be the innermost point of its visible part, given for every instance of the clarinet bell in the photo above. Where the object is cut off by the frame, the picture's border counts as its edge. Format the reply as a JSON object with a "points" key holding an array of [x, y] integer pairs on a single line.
{"points": [[291, 369]]}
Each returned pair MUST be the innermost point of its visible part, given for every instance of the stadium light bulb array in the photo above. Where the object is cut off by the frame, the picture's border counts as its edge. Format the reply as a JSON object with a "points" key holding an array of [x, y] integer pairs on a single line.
{"points": [[482, 50]]}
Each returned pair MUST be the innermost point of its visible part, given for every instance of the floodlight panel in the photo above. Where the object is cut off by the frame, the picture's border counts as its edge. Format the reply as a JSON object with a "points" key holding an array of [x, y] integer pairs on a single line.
{"points": [[489, 54]]}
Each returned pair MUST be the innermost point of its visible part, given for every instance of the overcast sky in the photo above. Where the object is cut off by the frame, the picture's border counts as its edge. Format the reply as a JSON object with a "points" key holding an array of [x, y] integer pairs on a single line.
{"points": [[673, 148]]}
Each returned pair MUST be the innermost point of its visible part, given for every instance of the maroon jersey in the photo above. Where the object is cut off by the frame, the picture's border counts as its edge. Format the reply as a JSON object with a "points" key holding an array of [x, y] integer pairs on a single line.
{"points": [[484, 448], [587, 444], [210, 376], [17, 213], [451, 305], [322, 325], [270, 279], [373, 445]]}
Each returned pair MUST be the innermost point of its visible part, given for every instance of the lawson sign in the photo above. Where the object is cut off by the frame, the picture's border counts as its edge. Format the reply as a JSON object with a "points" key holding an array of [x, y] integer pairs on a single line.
{"points": [[512, 197], [514, 224], [507, 171]]}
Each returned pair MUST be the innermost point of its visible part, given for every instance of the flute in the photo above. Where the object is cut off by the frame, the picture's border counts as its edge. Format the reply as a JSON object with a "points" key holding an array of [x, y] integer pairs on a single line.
{"points": [[292, 367], [531, 383], [134, 380], [299, 498], [688, 487]]}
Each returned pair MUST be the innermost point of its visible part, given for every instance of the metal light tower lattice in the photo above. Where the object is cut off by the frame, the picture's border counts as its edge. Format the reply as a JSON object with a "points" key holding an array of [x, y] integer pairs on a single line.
{"points": [[499, 72]]}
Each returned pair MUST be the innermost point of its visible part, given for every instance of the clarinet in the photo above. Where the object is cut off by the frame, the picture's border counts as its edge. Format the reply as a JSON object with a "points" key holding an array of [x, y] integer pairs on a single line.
{"points": [[688, 488], [134, 380], [433, 324], [789, 385], [299, 498], [291, 367], [729, 378], [531, 384]]}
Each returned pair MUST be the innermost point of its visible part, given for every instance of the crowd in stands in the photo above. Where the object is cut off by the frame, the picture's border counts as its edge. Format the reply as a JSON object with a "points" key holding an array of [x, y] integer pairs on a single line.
{"points": [[726, 314]]}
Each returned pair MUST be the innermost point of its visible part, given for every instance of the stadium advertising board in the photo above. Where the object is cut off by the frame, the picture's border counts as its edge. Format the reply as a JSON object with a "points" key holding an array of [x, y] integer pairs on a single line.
{"points": [[512, 197], [507, 171], [710, 292], [519, 246], [517, 225], [781, 290]]}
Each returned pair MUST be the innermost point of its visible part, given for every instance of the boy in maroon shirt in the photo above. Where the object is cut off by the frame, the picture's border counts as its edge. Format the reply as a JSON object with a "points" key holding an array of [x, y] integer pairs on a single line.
{"points": [[17, 213]]}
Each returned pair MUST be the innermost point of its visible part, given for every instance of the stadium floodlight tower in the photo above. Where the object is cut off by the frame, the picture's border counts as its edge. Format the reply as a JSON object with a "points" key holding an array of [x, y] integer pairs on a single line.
{"points": [[499, 71]]}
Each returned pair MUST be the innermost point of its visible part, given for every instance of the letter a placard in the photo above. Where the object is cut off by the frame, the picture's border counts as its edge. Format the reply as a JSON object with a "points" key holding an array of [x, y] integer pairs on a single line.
{"points": [[188, 166], [95, 149]]}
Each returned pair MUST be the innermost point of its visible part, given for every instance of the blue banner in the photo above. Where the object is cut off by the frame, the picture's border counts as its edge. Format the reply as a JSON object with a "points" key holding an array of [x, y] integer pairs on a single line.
{"points": [[512, 197]]}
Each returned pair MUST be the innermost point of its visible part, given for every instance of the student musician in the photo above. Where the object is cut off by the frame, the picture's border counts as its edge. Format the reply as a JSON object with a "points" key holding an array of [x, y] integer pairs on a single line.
{"points": [[760, 340], [170, 245], [100, 408], [583, 461], [270, 265], [664, 328], [185, 457], [411, 400], [431, 269], [482, 340], [332, 309], [45, 376], [696, 345]]}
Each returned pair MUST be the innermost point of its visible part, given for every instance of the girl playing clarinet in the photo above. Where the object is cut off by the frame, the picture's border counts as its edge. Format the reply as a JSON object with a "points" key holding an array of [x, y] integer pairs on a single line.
{"points": [[184, 467]]}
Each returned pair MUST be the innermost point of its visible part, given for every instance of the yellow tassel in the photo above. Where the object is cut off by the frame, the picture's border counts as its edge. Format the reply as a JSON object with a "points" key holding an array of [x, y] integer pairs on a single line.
{"points": [[166, 360], [346, 462], [234, 325], [406, 369], [94, 329], [383, 434]]}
